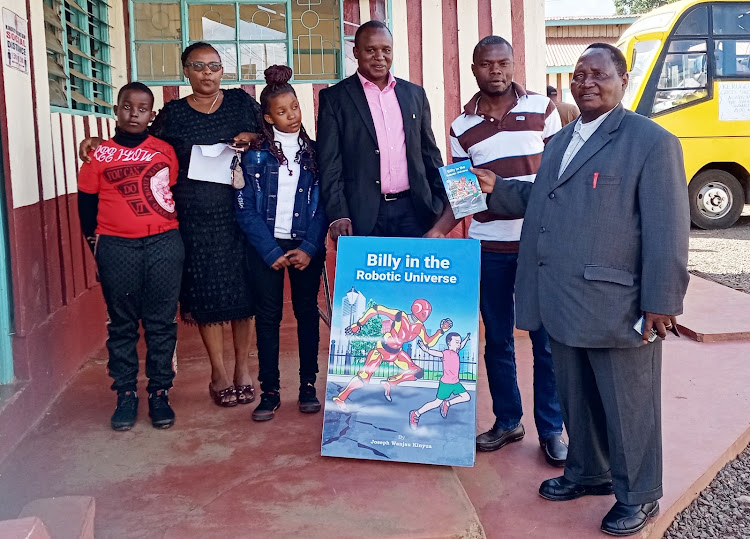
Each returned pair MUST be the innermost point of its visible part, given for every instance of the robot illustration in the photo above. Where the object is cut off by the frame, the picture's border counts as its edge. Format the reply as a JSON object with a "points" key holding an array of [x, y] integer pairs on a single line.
{"points": [[405, 328]]}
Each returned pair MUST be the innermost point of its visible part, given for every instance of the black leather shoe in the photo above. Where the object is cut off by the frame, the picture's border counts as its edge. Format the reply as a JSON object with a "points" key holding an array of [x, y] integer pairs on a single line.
{"points": [[628, 519], [495, 438], [555, 450], [559, 489]]}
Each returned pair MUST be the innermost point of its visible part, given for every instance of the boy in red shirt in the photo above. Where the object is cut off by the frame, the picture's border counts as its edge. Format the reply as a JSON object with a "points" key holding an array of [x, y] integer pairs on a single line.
{"points": [[129, 220]]}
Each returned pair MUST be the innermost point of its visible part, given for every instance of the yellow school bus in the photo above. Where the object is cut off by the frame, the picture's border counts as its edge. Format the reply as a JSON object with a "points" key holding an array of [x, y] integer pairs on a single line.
{"points": [[689, 68]]}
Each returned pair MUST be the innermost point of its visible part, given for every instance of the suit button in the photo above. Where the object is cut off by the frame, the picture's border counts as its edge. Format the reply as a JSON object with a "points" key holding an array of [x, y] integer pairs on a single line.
{"points": [[377, 181], [377, 151], [296, 214], [540, 264], [542, 230], [300, 190], [552, 195]]}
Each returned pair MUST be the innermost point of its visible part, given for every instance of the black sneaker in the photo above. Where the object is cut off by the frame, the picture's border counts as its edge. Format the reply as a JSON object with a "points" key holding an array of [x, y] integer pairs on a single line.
{"points": [[126, 411], [269, 403], [308, 400], [161, 413]]}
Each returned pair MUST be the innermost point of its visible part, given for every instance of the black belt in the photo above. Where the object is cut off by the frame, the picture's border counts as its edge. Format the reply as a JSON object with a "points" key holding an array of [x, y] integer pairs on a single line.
{"points": [[390, 197]]}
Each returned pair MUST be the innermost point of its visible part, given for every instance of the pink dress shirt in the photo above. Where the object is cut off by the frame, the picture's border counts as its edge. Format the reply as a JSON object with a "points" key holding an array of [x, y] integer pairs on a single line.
{"points": [[389, 128]]}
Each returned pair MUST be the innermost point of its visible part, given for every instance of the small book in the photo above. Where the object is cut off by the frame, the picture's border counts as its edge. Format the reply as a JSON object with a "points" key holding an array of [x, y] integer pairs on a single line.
{"points": [[462, 186]]}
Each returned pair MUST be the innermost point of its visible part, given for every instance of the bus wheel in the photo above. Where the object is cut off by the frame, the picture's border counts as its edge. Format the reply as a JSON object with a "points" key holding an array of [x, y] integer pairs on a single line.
{"points": [[716, 199]]}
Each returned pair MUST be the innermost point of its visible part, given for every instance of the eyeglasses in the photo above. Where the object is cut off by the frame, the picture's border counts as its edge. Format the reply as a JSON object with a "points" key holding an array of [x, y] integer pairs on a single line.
{"points": [[200, 66]]}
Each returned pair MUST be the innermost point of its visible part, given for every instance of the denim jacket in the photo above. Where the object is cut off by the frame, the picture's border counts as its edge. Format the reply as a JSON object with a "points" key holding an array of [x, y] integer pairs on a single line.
{"points": [[255, 205]]}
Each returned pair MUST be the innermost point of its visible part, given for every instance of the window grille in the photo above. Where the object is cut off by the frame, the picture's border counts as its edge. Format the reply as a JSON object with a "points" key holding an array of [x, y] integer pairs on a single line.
{"points": [[78, 55], [250, 35]]}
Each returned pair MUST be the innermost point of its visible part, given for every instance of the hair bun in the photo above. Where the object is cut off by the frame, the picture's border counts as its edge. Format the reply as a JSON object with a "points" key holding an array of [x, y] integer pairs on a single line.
{"points": [[277, 74]]}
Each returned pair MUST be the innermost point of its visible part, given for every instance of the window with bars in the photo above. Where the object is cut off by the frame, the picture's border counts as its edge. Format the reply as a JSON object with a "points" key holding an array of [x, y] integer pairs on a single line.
{"points": [[250, 35], [78, 55]]}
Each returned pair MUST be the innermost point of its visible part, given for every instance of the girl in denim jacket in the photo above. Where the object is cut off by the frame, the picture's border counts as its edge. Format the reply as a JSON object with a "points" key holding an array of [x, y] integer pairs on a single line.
{"points": [[280, 212]]}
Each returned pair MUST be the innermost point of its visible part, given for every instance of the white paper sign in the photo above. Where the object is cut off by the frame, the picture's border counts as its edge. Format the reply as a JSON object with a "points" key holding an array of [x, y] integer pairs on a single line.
{"points": [[734, 101], [16, 49], [211, 163]]}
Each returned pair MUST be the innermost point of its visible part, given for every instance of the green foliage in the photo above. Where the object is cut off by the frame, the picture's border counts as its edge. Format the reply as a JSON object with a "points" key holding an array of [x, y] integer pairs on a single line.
{"points": [[628, 7], [371, 331]]}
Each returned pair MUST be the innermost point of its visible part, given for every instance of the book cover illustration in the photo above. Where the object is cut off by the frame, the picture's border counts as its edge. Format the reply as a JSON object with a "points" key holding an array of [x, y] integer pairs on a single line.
{"points": [[462, 186], [402, 366]]}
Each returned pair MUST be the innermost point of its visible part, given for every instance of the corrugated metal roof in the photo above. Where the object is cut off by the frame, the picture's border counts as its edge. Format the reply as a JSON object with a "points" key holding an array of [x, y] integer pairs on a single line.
{"points": [[565, 51]]}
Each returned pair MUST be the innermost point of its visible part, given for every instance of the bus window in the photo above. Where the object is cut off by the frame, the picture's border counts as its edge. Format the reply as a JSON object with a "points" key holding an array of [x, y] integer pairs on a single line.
{"points": [[683, 76], [732, 19], [643, 55], [732, 58], [695, 23]]}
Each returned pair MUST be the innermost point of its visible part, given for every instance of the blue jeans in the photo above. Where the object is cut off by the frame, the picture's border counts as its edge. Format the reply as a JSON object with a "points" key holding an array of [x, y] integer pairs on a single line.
{"points": [[498, 313]]}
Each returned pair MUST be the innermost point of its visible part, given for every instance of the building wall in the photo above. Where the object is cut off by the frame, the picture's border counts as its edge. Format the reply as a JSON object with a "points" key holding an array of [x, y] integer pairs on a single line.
{"points": [[561, 76], [433, 45], [58, 311], [561, 81], [611, 31]]}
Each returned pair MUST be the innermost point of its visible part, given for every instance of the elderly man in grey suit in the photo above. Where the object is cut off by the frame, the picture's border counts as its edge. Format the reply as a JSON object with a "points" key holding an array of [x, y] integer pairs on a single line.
{"points": [[604, 242]]}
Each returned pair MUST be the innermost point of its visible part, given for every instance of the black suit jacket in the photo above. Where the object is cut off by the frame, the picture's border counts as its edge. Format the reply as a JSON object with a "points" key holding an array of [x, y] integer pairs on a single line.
{"points": [[349, 158]]}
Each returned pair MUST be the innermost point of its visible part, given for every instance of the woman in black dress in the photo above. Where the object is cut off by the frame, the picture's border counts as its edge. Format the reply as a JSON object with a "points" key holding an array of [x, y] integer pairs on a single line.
{"points": [[216, 281]]}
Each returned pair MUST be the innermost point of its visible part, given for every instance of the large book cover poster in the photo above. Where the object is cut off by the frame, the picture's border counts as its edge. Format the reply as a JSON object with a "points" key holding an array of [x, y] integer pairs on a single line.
{"points": [[402, 366]]}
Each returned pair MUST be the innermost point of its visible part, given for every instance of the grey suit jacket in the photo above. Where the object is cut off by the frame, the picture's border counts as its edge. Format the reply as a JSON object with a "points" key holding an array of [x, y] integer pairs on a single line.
{"points": [[592, 259]]}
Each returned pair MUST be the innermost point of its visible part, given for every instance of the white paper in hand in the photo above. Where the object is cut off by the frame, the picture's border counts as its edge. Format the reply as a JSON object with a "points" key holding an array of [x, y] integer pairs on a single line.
{"points": [[211, 163]]}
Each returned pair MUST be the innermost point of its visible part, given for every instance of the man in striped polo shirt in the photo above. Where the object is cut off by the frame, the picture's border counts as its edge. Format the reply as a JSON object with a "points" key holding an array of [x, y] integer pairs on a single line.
{"points": [[504, 129]]}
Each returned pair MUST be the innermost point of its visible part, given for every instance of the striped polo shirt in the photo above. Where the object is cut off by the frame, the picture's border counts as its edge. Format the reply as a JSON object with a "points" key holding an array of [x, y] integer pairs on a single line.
{"points": [[511, 147]]}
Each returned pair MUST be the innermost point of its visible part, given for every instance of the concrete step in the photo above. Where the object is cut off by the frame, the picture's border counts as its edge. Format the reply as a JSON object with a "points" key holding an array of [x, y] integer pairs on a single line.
{"points": [[714, 312], [67, 517], [23, 528]]}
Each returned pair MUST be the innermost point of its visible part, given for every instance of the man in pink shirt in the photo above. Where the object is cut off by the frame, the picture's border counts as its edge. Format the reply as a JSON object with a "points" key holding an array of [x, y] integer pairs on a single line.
{"points": [[449, 385], [377, 154]]}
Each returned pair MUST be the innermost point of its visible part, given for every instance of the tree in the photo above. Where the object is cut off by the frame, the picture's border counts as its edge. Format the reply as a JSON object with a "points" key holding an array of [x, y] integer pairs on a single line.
{"points": [[366, 338], [628, 7]]}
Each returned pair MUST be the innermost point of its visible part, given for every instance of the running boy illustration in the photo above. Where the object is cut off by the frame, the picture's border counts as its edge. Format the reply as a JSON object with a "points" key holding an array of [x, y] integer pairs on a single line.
{"points": [[449, 384]]}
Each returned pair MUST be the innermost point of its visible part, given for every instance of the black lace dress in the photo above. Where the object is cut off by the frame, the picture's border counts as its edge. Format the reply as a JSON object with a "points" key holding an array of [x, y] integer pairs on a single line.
{"points": [[216, 284]]}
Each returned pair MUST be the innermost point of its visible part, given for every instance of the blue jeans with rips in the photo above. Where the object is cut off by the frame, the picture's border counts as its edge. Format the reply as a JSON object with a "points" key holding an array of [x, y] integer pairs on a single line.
{"points": [[498, 275]]}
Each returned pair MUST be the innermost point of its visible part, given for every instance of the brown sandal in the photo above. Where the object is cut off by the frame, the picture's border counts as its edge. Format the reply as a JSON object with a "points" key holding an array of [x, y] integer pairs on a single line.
{"points": [[219, 396], [245, 394]]}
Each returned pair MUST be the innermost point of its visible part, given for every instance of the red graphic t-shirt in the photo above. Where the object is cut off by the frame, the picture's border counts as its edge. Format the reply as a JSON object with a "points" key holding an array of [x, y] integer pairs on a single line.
{"points": [[134, 187]]}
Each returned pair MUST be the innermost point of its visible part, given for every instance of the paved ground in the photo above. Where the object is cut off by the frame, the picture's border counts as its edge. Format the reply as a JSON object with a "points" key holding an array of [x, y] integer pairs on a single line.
{"points": [[218, 474], [723, 255], [723, 509]]}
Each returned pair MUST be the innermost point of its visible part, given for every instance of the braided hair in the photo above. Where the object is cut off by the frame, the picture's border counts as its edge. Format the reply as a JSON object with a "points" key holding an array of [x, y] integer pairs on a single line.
{"points": [[277, 83]]}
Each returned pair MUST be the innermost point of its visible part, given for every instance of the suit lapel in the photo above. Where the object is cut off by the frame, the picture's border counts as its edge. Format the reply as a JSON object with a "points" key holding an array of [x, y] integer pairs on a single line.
{"points": [[357, 93], [595, 143], [403, 97]]}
